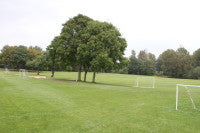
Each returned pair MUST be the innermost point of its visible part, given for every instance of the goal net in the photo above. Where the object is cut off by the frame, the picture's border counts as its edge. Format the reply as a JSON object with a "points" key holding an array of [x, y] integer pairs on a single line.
{"points": [[23, 73], [187, 96], [145, 82], [6, 70]]}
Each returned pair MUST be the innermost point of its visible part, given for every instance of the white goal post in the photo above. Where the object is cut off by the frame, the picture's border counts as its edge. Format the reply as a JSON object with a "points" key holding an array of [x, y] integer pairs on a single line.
{"points": [[6, 70], [142, 82], [188, 92]]}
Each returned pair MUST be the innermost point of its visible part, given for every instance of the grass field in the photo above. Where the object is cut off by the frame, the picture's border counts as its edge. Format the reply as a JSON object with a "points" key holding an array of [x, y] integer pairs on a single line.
{"points": [[112, 105]]}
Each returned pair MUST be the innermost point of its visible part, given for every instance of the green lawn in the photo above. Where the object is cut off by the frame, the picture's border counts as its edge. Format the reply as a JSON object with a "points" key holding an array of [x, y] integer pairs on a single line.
{"points": [[112, 105]]}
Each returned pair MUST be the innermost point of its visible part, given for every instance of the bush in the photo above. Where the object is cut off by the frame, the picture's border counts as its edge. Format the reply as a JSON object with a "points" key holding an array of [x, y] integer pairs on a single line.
{"points": [[195, 73]]}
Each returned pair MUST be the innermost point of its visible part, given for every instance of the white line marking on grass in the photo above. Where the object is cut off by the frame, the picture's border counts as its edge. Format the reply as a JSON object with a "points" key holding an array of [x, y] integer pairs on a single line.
{"points": [[31, 115]]}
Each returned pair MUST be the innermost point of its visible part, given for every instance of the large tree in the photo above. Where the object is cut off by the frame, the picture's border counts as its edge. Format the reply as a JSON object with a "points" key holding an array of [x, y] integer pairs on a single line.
{"points": [[91, 45], [169, 59], [176, 63], [105, 47], [71, 37], [143, 65], [184, 63], [21, 56], [39, 63], [7, 55], [54, 54], [135, 64], [196, 58], [15, 56]]}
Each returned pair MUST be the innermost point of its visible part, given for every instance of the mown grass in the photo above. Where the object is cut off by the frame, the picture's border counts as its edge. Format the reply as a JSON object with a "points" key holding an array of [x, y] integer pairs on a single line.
{"points": [[59, 104]]}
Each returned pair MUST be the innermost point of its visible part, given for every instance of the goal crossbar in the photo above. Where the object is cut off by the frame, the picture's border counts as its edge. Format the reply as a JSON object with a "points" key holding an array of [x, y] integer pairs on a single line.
{"points": [[153, 82], [188, 92]]}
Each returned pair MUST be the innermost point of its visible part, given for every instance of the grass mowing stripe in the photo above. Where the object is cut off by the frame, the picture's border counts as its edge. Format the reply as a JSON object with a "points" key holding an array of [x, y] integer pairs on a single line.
{"points": [[111, 105]]}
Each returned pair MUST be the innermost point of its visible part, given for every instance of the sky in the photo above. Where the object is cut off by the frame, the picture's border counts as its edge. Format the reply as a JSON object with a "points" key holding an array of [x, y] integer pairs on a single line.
{"points": [[152, 25]]}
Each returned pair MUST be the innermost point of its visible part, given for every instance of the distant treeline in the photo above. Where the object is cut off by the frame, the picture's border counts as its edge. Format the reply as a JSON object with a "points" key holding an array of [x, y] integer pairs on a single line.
{"points": [[177, 64], [31, 58], [87, 45], [171, 63]]}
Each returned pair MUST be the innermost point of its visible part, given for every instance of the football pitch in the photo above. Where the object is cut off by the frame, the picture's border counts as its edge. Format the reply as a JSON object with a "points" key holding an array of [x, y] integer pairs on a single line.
{"points": [[112, 105]]}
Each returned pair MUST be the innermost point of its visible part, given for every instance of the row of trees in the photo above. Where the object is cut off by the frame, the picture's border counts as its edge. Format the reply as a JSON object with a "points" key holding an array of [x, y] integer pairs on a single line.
{"points": [[31, 58], [171, 63], [17, 56], [84, 44], [180, 64], [87, 45]]}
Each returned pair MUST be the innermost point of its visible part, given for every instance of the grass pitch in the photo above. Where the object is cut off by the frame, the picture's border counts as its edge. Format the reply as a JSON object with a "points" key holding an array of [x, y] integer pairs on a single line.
{"points": [[58, 105]]}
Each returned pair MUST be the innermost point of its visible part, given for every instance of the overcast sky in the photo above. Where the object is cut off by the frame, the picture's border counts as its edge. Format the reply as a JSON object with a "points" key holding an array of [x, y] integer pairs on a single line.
{"points": [[153, 25]]}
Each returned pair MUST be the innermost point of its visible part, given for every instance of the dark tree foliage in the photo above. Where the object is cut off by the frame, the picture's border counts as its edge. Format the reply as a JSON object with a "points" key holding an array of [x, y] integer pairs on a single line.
{"points": [[72, 37], [169, 65], [143, 65], [176, 63], [196, 58], [16, 57], [89, 45], [159, 64], [184, 63], [7, 56], [105, 46], [21, 56], [39, 63], [195, 73], [54, 56], [135, 66]]}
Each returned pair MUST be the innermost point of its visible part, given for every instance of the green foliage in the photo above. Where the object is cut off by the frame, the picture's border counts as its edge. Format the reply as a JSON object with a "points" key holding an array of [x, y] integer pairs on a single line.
{"points": [[54, 54], [184, 63], [16, 57], [195, 73], [169, 59], [21, 56], [72, 37], [88, 44], [135, 66], [159, 64], [148, 67], [39, 63], [7, 55], [34, 52], [196, 58], [106, 46], [176, 63], [143, 65]]}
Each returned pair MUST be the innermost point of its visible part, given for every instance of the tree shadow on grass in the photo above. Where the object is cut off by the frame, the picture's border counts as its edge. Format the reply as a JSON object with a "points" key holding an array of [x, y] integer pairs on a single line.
{"points": [[112, 84], [87, 82]]}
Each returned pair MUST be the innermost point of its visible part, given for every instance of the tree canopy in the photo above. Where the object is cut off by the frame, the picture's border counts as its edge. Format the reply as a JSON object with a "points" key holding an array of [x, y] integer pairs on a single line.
{"points": [[88, 44], [143, 65]]}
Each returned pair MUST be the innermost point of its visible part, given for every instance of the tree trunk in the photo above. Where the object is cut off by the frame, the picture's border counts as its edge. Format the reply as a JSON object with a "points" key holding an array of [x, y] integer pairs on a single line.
{"points": [[79, 73], [38, 72], [85, 76], [52, 73], [94, 75], [52, 69]]}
